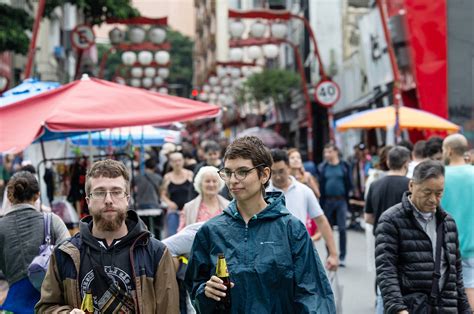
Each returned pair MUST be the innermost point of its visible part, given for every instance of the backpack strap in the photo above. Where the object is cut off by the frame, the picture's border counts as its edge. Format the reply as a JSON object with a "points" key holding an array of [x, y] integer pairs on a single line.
{"points": [[47, 228]]}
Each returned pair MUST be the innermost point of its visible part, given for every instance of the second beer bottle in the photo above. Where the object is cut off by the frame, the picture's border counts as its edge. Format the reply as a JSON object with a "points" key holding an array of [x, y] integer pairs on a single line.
{"points": [[224, 305]]}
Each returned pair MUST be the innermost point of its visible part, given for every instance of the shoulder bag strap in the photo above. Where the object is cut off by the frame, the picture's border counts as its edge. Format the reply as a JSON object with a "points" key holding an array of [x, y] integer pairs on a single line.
{"points": [[153, 183], [47, 227], [437, 271]]}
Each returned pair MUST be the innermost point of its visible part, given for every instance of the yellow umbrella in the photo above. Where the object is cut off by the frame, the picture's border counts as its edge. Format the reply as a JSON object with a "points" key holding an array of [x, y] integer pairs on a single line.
{"points": [[410, 118]]}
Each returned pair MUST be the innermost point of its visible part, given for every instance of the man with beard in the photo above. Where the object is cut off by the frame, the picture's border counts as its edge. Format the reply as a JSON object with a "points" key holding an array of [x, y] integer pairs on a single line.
{"points": [[113, 257]]}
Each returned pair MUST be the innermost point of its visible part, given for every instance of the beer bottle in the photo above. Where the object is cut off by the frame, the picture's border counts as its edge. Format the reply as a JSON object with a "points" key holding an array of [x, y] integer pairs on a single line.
{"points": [[87, 304], [224, 305]]}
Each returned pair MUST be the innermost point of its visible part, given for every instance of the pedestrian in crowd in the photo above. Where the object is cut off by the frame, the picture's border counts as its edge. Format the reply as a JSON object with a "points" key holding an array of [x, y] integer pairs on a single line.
{"points": [[417, 156], [208, 203], [41, 207], [301, 202], [387, 192], [270, 257], [458, 201], [299, 173], [114, 257], [147, 187], [22, 231], [434, 148], [360, 165], [175, 191], [163, 165], [212, 156], [379, 170], [334, 176], [417, 250]]}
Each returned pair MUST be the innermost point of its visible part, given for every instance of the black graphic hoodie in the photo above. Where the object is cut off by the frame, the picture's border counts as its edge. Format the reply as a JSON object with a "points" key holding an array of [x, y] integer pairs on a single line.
{"points": [[112, 266]]}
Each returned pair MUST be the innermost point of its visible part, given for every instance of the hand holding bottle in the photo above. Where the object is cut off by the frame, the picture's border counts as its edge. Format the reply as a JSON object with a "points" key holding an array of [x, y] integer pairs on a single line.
{"points": [[215, 288]]}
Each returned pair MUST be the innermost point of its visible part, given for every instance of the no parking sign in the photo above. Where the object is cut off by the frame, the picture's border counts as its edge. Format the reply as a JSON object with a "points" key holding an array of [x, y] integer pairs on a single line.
{"points": [[327, 93], [82, 37]]}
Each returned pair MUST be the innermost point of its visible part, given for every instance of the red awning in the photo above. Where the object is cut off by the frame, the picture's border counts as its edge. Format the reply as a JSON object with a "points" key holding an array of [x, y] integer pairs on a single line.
{"points": [[92, 104]]}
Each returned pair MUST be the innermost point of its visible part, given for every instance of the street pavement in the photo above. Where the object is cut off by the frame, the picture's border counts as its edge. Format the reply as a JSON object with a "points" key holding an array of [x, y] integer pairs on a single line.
{"points": [[357, 282]]}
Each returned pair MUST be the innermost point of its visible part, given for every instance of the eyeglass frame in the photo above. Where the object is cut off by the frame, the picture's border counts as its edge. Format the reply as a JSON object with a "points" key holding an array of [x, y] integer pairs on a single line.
{"points": [[219, 172], [108, 192]]}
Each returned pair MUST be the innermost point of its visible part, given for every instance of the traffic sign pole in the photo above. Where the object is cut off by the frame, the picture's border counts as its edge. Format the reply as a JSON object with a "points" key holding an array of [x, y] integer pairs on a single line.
{"points": [[327, 94]]}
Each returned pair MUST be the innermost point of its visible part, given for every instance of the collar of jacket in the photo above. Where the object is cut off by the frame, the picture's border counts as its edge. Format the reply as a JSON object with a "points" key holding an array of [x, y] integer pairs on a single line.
{"points": [[17, 207], [275, 208]]}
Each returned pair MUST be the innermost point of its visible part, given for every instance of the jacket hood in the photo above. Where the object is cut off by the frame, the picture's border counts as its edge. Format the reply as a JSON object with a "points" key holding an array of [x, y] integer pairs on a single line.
{"points": [[275, 207], [136, 227]]}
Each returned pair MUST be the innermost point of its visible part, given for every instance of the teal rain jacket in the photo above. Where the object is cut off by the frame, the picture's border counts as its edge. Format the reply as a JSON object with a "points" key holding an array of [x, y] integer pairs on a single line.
{"points": [[271, 261]]}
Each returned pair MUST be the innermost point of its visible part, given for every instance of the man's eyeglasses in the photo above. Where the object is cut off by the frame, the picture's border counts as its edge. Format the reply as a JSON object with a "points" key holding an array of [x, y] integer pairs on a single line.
{"points": [[101, 195], [240, 173], [279, 172]]}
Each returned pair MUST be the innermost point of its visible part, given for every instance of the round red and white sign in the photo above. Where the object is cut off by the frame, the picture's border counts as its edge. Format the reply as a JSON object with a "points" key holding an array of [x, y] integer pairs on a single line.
{"points": [[327, 93], [82, 37]]}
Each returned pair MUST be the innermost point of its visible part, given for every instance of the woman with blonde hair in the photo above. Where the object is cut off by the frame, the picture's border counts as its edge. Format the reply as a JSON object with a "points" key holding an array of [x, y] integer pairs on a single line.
{"points": [[208, 203]]}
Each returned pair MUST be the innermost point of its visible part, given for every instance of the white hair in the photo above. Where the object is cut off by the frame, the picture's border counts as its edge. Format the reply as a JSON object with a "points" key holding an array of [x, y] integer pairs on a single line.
{"points": [[200, 175]]}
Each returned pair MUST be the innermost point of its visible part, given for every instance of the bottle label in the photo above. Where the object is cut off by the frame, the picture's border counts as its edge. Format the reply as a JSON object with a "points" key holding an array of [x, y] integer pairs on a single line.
{"points": [[221, 270]]}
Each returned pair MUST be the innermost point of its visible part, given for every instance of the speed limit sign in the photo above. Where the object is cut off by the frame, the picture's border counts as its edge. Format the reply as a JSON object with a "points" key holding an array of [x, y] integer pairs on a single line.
{"points": [[327, 93], [82, 37]]}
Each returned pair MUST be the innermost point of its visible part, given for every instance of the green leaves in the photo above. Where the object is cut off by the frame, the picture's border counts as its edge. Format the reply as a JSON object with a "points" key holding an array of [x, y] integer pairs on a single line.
{"points": [[13, 23], [181, 71], [275, 84], [96, 11]]}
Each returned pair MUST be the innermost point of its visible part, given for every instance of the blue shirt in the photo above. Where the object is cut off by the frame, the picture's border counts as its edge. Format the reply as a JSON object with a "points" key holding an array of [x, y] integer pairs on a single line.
{"points": [[458, 201], [334, 181]]}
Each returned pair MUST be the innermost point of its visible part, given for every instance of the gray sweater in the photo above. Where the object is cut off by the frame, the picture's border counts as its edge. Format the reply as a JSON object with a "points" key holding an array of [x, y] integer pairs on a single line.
{"points": [[21, 234]]}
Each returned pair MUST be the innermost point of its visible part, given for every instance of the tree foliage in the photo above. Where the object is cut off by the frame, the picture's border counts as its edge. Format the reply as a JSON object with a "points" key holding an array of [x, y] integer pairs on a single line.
{"points": [[271, 85], [13, 24], [181, 71], [96, 11]]}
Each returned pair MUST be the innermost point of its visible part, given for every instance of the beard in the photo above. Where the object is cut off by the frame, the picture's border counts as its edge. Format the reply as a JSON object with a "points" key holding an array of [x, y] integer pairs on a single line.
{"points": [[109, 224]]}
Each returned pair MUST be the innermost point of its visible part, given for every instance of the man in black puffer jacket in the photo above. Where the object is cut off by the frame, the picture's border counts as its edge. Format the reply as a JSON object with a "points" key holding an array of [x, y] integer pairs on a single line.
{"points": [[406, 244]]}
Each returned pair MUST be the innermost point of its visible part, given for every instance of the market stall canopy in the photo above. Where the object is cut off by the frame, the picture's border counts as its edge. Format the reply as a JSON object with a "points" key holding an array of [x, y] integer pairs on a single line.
{"points": [[269, 137], [91, 104], [136, 135], [28, 88], [409, 118]]}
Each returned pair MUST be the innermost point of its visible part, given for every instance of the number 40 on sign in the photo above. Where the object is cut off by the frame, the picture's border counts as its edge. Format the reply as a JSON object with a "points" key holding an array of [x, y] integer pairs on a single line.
{"points": [[327, 93]]}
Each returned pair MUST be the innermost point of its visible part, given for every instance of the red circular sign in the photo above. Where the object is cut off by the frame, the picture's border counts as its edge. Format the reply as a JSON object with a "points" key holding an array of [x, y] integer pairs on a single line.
{"points": [[327, 93], [82, 37]]}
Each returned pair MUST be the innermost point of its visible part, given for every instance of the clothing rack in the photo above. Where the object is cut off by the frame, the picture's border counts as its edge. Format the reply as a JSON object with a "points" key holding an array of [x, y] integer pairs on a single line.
{"points": [[91, 158]]}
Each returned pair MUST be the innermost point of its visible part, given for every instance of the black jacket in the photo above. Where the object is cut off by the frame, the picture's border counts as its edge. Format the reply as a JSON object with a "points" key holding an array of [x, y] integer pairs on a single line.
{"points": [[405, 262]]}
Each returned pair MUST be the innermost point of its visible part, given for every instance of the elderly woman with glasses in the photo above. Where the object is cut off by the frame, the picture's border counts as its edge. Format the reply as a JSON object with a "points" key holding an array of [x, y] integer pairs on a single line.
{"points": [[208, 203]]}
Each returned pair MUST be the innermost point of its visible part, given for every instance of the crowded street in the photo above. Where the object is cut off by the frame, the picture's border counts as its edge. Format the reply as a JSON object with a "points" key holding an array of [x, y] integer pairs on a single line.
{"points": [[224, 156]]}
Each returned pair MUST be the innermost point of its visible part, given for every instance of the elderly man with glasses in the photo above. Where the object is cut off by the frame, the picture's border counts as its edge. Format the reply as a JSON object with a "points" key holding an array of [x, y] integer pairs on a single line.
{"points": [[113, 257]]}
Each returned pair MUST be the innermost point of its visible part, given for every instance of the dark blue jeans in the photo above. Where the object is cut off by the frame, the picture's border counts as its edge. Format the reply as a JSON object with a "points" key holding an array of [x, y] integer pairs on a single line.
{"points": [[336, 213]]}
